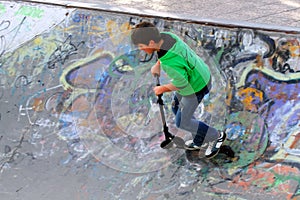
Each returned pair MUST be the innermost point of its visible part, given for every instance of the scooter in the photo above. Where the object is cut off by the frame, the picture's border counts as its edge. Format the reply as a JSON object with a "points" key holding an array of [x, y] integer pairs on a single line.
{"points": [[170, 139]]}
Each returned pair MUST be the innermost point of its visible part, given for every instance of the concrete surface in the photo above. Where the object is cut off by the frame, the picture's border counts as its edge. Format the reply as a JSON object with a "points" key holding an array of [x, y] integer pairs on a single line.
{"points": [[265, 13], [78, 119], [270, 12]]}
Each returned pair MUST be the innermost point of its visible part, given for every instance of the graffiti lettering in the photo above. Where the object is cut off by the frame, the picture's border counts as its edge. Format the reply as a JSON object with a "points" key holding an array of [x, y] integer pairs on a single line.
{"points": [[22, 81], [63, 52], [4, 43], [30, 12], [78, 17], [2, 9]]}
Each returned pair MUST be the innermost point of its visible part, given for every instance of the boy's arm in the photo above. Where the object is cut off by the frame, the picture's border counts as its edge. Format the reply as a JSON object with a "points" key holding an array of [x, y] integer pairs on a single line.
{"points": [[164, 88], [155, 70]]}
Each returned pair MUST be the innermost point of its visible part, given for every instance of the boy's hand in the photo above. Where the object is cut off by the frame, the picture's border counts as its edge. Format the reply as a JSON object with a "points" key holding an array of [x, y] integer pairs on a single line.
{"points": [[158, 90]]}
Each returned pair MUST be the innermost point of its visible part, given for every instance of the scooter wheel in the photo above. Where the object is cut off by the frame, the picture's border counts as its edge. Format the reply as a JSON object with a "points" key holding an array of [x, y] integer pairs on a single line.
{"points": [[167, 144]]}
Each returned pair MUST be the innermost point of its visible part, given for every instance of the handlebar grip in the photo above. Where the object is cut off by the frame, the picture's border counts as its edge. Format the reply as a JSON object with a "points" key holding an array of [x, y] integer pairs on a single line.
{"points": [[157, 79]]}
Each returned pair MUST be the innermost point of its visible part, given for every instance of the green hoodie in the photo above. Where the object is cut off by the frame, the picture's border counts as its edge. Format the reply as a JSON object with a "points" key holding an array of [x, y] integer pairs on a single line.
{"points": [[185, 68]]}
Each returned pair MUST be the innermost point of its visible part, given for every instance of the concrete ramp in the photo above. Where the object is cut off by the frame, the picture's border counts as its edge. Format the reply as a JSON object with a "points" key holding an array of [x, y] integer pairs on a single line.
{"points": [[79, 120]]}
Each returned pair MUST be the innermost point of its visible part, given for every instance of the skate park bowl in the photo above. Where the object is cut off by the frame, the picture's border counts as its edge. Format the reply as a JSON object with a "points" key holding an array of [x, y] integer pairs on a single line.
{"points": [[79, 119]]}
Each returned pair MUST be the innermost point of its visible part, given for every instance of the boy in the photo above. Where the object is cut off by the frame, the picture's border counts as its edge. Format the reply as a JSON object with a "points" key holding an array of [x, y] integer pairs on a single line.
{"points": [[190, 80]]}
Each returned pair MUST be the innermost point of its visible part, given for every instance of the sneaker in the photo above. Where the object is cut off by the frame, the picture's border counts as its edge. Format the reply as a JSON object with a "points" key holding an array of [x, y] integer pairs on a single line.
{"points": [[214, 146], [190, 145]]}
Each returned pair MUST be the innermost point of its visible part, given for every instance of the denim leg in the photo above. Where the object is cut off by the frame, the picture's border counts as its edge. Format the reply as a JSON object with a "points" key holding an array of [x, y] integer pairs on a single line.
{"points": [[176, 109], [184, 119], [175, 104]]}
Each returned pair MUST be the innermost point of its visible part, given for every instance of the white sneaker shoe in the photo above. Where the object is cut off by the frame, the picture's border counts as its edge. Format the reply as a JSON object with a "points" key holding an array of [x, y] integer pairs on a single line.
{"points": [[190, 145], [214, 146]]}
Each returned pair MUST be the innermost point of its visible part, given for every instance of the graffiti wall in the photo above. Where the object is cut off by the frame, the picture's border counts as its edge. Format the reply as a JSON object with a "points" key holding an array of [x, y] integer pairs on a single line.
{"points": [[72, 76]]}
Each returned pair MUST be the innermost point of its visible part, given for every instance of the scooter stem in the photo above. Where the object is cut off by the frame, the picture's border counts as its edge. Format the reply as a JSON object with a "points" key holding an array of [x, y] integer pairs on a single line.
{"points": [[160, 101]]}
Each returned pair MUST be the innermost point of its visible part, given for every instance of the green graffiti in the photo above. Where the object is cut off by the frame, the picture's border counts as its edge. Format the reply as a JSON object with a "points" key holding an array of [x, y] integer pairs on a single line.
{"points": [[280, 179], [30, 12], [2, 9]]}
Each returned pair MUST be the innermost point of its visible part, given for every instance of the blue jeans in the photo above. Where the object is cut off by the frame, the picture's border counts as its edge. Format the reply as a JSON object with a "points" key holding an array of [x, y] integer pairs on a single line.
{"points": [[184, 107]]}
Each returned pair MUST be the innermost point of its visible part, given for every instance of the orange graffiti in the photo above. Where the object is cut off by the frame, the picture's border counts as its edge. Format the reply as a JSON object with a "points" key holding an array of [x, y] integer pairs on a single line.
{"points": [[81, 104], [266, 179], [38, 104], [248, 96], [294, 144], [117, 33], [294, 48]]}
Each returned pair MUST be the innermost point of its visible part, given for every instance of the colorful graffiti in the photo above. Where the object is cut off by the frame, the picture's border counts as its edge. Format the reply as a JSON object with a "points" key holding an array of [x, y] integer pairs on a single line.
{"points": [[79, 78]]}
